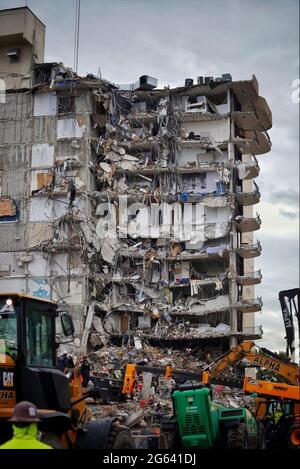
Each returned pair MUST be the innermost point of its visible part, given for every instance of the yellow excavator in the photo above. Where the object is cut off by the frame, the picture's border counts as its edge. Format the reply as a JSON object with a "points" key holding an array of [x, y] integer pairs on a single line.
{"points": [[248, 350], [271, 396], [28, 372]]}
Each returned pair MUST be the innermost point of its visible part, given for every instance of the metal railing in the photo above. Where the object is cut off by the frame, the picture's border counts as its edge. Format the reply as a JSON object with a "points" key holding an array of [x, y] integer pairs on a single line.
{"points": [[250, 301], [254, 330], [256, 274]]}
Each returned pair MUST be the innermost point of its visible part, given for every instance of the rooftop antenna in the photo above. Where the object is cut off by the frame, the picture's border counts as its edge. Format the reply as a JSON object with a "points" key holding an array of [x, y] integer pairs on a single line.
{"points": [[76, 35]]}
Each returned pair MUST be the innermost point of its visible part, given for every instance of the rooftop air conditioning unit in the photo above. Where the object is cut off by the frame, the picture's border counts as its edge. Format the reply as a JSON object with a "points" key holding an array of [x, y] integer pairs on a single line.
{"points": [[189, 82], [145, 83], [226, 77], [208, 80]]}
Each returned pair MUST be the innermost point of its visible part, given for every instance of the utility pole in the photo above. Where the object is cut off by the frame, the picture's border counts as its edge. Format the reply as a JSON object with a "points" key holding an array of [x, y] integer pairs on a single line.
{"points": [[76, 35]]}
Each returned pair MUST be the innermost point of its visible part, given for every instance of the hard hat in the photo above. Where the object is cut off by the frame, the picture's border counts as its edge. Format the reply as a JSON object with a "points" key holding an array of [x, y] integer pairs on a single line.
{"points": [[25, 412]]}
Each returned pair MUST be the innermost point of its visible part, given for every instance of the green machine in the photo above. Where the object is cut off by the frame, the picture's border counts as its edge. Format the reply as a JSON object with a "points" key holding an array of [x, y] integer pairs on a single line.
{"points": [[199, 423]]}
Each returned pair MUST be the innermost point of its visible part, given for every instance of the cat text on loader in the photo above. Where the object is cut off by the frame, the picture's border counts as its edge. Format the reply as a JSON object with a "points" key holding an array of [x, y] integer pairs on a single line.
{"points": [[28, 372]]}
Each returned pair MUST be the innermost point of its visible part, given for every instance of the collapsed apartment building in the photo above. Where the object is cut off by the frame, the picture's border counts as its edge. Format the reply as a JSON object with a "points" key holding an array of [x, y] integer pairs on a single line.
{"points": [[131, 206]]}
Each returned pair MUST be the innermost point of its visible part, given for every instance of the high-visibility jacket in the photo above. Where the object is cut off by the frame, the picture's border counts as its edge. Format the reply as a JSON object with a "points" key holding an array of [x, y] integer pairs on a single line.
{"points": [[25, 438]]}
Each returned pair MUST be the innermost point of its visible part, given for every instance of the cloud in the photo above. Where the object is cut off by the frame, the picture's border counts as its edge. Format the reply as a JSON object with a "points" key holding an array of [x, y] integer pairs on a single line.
{"points": [[288, 197], [288, 214]]}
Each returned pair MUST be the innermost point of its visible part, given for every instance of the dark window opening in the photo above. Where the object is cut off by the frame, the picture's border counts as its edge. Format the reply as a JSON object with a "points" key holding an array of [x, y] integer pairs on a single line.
{"points": [[236, 104], [218, 99], [66, 104]]}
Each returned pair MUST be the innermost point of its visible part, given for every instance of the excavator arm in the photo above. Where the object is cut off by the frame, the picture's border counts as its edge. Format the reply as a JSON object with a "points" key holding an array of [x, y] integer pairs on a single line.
{"points": [[290, 371]]}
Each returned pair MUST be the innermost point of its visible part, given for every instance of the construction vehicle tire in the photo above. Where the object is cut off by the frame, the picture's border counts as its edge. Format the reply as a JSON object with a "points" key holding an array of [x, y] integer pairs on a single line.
{"points": [[52, 440], [294, 436], [102, 434], [120, 439], [168, 433], [261, 436], [237, 437]]}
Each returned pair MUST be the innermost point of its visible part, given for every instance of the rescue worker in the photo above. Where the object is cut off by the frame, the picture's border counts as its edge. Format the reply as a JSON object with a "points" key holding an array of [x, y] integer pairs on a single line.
{"points": [[62, 361], [85, 369], [25, 430], [65, 361], [70, 361]]}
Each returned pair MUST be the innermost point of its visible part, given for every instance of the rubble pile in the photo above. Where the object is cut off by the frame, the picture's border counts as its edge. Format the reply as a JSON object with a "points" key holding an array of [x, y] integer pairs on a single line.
{"points": [[112, 359], [145, 414]]}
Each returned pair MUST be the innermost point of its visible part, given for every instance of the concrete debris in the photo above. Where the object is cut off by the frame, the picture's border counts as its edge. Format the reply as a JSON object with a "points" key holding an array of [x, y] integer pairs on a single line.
{"points": [[152, 397]]}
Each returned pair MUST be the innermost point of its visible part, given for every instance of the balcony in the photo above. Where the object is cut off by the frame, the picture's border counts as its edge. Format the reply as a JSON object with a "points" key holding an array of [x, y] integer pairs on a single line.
{"points": [[246, 225], [202, 142], [250, 333], [256, 143], [249, 251], [248, 198], [252, 169], [200, 116], [249, 278], [143, 117], [141, 145], [247, 121], [264, 142], [246, 92], [261, 110], [252, 305]]}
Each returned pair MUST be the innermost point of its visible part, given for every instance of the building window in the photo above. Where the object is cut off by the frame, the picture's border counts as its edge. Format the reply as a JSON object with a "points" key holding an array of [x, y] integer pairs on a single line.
{"points": [[14, 55], [8, 210], [66, 104], [202, 180]]}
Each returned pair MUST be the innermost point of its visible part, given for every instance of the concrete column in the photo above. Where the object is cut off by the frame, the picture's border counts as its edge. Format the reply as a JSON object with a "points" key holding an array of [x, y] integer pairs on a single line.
{"points": [[233, 290]]}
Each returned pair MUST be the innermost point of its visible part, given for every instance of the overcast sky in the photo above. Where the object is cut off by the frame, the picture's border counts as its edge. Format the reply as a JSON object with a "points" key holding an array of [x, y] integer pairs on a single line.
{"points": [[172, 40]]}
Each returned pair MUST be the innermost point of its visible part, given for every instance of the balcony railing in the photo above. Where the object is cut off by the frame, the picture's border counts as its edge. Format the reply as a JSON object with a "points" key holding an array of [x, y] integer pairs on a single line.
{"points": [[245, 224], [248, 251], [249, 198], [252, 169], [252, 332], [249, 278], [250, 305], [256, 143]]}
